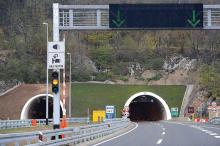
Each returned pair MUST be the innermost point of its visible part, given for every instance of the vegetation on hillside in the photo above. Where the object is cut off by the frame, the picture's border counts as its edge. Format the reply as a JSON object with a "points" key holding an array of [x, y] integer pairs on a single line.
{"points": [[96, 96], [23, 45]]}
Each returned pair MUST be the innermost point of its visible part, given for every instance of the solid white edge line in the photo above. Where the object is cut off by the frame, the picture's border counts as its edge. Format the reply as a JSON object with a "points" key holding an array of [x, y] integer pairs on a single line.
{"points": [[136, 126]]}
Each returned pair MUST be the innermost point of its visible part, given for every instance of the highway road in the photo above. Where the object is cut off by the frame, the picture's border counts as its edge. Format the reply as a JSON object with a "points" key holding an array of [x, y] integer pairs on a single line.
{"points": [[167, 133]]}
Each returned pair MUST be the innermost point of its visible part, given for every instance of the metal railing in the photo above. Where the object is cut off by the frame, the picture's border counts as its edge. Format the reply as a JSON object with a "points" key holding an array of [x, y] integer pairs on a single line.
{"points": [[215, 121], [73, 135], [10, 124]]}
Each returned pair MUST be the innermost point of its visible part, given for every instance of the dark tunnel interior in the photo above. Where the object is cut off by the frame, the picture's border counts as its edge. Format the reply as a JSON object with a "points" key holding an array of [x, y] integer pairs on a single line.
{"points": [[37, 108], [146, 108]]}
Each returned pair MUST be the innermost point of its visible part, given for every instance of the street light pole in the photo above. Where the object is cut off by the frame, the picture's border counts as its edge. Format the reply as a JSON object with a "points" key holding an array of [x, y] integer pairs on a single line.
{"points": [[70, 81], [47, 78]]}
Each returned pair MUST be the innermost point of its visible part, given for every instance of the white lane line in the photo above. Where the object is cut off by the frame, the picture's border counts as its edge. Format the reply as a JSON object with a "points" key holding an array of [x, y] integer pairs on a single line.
{"points": [[217, 136], [136, 126], [213, 134], [208, 132], [163, 133], [204, 130], [163, 129], [159, 141]]}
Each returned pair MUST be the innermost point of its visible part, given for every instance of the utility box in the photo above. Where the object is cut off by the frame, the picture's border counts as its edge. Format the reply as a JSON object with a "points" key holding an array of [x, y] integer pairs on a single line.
{"points": [[98, 116]]}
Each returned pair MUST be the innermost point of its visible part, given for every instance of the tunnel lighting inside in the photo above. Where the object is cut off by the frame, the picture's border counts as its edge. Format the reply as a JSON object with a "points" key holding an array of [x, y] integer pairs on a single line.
{"points": [[35, 108], [146, 108]]}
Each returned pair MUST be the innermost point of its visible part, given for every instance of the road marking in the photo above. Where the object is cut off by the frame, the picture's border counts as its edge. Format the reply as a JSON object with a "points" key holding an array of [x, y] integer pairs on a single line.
{"points": [[217, 136], [136, 126], [163, 129], [163, 133], [208, 132], [159, 141], [204, 130], [213, 134]]}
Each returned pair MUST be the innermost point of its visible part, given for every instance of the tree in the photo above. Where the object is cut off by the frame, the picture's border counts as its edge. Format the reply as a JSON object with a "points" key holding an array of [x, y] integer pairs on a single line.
{"points": [[209, 78]]}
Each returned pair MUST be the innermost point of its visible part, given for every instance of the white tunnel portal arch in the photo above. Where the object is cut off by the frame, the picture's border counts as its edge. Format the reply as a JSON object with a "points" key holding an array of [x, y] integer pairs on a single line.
{"points": [[26, 108], [166, 107]]}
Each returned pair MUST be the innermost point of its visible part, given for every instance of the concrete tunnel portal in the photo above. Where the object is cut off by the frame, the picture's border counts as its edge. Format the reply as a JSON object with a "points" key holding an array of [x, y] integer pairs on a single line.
{"points": [[147, 106], [35, 107]]}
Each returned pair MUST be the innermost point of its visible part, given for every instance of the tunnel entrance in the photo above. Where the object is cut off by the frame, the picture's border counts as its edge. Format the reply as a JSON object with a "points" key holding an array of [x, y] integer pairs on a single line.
{"points": [[35, 108], [38, 108], [146, 108]]}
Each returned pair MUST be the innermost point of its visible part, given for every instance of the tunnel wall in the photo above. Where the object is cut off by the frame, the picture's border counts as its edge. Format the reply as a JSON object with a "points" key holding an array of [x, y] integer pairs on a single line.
{"points": [[26, 108], [166, 107]]}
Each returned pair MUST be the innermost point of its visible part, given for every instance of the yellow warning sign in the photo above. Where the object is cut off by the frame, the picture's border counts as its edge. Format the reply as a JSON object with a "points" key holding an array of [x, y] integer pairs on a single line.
{"points": [[98, 115]]}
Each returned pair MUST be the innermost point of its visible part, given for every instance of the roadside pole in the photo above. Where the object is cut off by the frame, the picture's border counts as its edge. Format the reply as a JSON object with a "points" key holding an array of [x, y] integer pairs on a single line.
{"points": [[47, 79]]}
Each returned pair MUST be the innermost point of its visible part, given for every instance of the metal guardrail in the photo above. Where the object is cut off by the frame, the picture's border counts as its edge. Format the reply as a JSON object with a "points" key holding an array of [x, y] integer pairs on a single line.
{"points": [[10, 124], [73, 135], [215, 121]]}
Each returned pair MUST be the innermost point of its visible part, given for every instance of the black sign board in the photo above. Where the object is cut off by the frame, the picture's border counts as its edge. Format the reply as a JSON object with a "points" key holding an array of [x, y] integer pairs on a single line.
{"points": [[153, 16], [190, 110]]}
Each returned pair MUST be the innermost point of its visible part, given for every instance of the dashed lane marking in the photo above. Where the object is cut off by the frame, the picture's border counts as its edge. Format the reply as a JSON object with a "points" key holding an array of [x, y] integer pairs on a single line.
{"points": [[159, 141], [213, 134], [217, 136], [163, 133], [163, 129], [204, 130], [208, 132]]}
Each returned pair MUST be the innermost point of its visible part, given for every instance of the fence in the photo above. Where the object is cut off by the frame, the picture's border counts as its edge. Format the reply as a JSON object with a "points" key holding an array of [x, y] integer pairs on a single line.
{"points": [[73, 135], [10, 124]]}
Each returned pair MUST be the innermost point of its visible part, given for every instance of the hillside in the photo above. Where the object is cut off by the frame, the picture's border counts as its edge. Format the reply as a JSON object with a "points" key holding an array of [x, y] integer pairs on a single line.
{"points": [[96, 96], [120, 56]]}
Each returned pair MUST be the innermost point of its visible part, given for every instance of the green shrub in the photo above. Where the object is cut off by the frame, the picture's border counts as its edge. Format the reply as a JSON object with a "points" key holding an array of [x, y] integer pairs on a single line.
{"points": [[104, 76], [123, 78], [81, 75], [157, 77], [154, 63]]}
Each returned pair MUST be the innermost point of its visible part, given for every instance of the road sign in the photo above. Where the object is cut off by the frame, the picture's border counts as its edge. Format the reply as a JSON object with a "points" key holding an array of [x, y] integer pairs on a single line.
{"points": [[190, 110], [110, 111], [56, 55], [136, 16], [55, 47], [174, 111], [214, 104]]}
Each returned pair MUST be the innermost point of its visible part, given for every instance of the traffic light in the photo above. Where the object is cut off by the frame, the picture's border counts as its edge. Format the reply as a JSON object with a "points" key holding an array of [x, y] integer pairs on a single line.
{"points": [[55, 82]]}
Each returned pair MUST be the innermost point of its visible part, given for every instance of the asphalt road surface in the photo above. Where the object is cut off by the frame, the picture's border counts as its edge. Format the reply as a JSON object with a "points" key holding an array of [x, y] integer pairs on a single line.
{"points": [[167, 133]]}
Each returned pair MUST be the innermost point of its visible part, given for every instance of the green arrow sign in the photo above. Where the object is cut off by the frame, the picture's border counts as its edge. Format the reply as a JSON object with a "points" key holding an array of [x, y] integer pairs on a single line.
{"points": [[119, 21], [193, 21]]}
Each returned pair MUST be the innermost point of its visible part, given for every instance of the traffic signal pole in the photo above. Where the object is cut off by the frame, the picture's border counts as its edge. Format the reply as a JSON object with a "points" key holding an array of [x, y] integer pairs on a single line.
{"points": [[56, 37]]}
